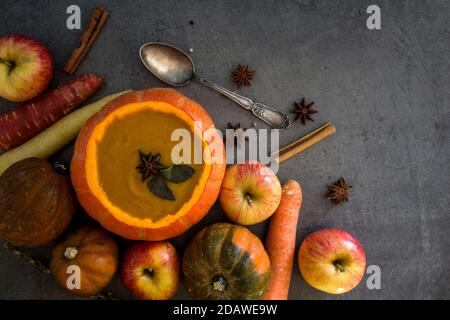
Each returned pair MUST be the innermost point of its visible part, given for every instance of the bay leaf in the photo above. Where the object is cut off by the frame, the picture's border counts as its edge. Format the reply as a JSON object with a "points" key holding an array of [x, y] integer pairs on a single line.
{"points": [[177, 173], [159, 188]]}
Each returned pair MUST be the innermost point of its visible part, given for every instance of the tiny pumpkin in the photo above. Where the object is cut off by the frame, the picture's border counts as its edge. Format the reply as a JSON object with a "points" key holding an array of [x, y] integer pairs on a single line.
{"points": [[36, 204], [226, 262], [94, 252]]}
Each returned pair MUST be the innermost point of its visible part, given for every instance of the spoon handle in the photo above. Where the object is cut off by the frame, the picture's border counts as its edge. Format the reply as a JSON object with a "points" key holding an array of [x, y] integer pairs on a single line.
{"points": [[273, 117]]}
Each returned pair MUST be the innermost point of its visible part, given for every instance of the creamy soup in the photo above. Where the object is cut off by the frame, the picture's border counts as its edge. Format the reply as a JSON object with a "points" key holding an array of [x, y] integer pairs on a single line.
{"points": [[118, 156]]}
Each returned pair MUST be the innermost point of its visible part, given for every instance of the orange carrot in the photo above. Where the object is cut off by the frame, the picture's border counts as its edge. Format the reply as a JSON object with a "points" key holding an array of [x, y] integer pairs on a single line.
{"points": [[280, 241], [20, 124]]}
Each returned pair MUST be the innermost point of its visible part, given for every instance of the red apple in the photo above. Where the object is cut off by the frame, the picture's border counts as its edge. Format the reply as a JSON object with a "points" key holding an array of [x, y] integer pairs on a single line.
{"points": [[250, 193], [151, 270], [26, 67], [332, 260]]}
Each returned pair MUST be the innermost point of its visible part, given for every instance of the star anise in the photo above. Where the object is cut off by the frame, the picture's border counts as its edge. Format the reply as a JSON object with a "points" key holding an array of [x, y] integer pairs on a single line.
{"points": [[304, 111], [239, 133], [156, 175], [339, 191], [149, 165], [242, 75]]}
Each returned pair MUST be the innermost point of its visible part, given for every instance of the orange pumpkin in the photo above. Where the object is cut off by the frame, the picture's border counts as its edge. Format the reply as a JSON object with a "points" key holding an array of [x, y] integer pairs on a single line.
{"points": [[103, 168], [91, 250]]}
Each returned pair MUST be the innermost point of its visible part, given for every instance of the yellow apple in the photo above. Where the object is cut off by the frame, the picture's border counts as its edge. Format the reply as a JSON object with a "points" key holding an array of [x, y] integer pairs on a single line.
{"points": [[151, 270], [26, 67], [332, 260], [250, 193]]}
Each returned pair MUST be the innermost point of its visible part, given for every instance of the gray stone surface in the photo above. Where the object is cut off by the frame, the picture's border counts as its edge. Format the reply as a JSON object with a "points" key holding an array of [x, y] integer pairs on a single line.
{"points": [[386, 91]]}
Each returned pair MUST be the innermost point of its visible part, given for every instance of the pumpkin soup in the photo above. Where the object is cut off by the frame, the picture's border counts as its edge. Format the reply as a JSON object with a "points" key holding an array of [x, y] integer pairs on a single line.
{"points": [[118, 149]]}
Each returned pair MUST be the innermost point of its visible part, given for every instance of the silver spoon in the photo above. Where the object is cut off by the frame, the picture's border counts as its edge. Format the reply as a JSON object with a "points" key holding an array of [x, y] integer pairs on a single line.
{"points": [[176, 68]]}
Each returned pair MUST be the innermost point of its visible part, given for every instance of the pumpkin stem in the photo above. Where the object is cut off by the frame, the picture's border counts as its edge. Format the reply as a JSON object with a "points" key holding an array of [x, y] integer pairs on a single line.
{"points": [[60, 168], [70, 253], [219, 283]]}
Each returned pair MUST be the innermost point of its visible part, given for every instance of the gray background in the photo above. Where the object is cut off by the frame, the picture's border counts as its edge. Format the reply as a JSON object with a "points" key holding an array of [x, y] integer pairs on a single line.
{"points": [[386, 91]]}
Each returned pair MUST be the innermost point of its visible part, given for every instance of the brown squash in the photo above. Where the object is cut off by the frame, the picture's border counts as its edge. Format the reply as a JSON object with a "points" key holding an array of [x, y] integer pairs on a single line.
{"points": [[226, 262], [36, 204], [94, 252]]}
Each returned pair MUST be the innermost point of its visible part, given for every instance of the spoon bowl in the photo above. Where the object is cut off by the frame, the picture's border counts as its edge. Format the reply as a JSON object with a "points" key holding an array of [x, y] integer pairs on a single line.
{"points": [[167, 63], [174, 67]]}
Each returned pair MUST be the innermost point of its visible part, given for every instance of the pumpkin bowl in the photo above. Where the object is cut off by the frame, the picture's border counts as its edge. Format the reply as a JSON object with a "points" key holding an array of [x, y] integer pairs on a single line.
{"points": [[109, 149]]}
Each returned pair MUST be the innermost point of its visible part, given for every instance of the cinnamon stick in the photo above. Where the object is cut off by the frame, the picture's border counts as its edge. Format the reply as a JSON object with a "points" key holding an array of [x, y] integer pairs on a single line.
{"points": [[304, 143], [94, 26]]}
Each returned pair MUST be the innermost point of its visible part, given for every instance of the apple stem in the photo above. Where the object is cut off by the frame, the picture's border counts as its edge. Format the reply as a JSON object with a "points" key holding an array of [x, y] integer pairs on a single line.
{"points": [[249, 200], [10, 65], [339, 266], [148, 272]]}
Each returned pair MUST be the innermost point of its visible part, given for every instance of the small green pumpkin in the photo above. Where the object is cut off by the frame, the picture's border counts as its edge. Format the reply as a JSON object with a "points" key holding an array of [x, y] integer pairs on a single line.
{"points": [[226, 262]]}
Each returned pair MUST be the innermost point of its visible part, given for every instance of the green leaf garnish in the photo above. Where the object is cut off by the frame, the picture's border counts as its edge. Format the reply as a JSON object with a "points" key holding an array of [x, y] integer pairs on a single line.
{"points": [[155, 174], [177, 173], [159, 188]]}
